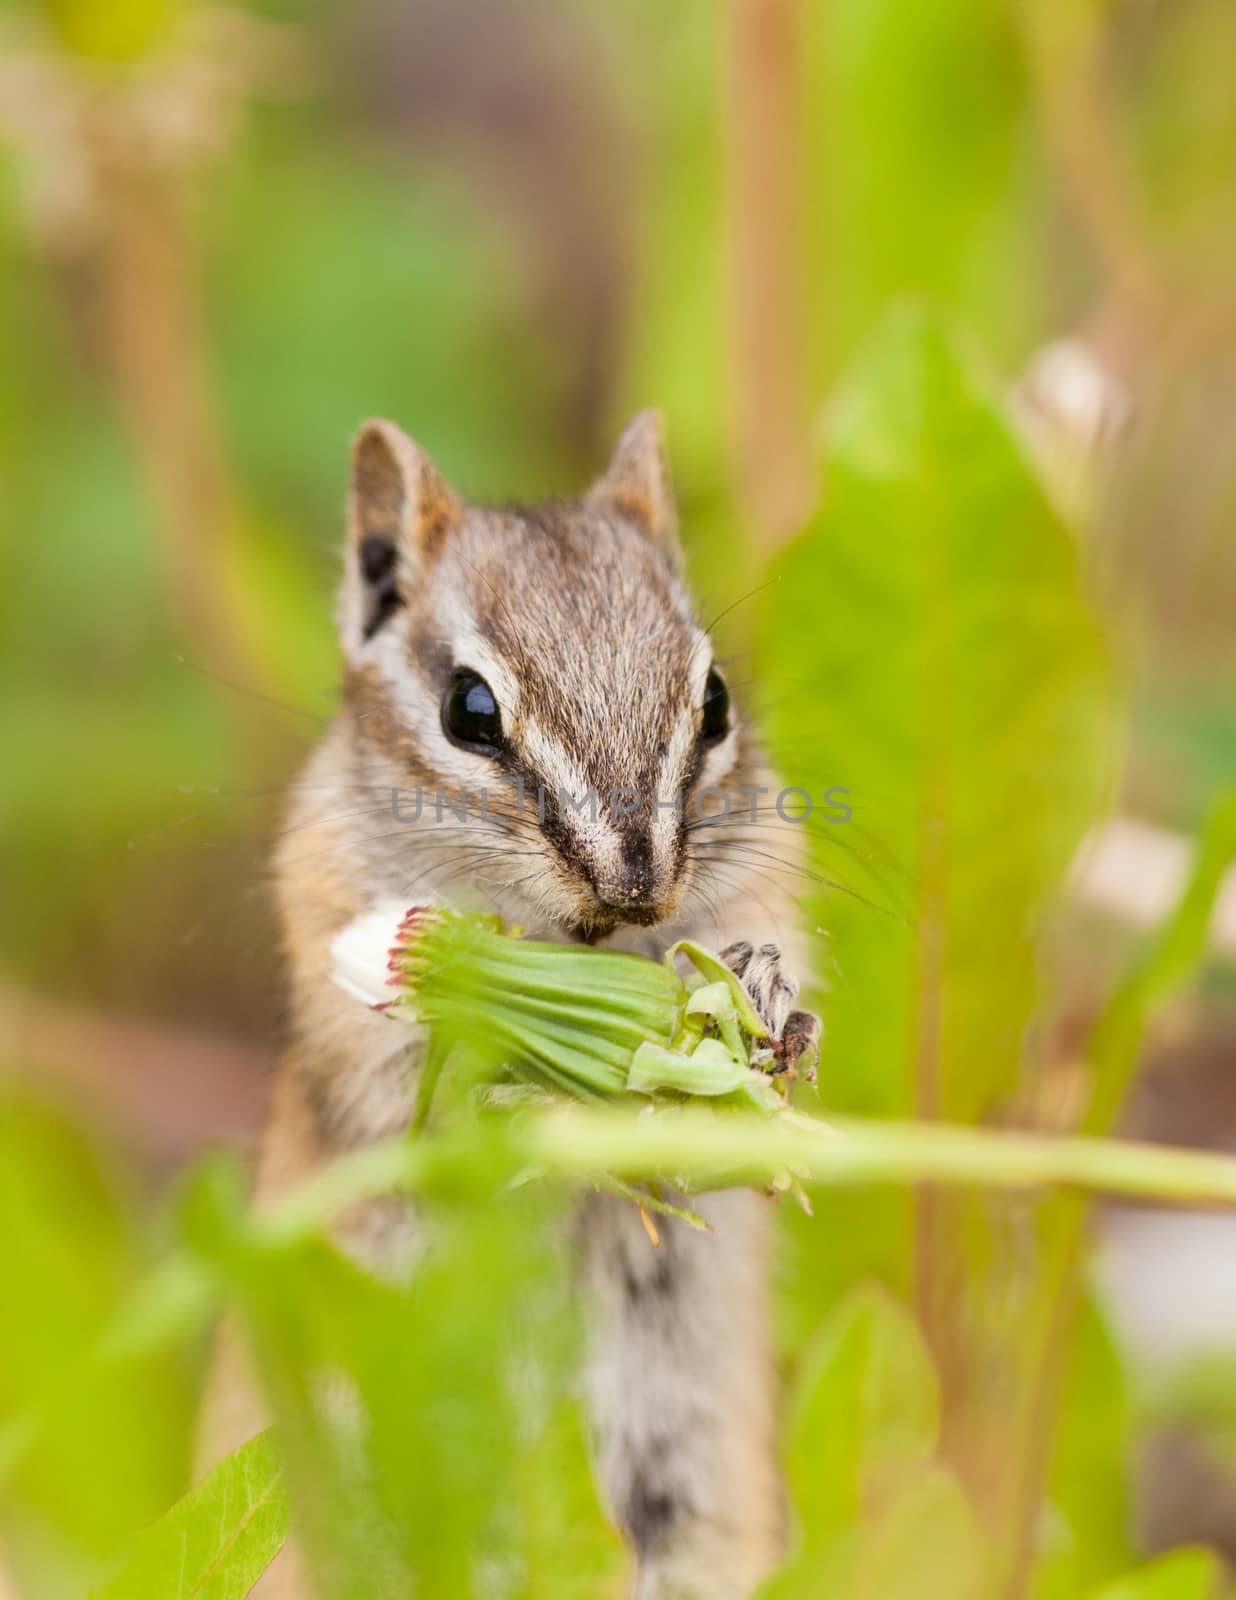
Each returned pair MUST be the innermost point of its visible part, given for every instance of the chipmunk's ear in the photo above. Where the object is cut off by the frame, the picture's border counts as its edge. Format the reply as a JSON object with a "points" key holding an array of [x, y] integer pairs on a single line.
{"points": [[637, 482], [399, 511]]}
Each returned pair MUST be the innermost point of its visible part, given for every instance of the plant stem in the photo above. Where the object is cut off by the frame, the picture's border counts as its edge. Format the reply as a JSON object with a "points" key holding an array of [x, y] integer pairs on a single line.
{"points": [[702, 1148]]}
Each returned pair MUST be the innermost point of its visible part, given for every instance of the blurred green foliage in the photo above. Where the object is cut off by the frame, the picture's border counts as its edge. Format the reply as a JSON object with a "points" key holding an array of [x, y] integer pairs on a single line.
{"points": [[349, 266], [426, 1423], [111, 1454], [929, 645]]}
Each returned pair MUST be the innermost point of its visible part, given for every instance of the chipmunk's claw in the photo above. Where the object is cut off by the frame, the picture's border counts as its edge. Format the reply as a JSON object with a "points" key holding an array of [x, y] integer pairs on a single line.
{"points": [[793, 1040], [799, 1044]]}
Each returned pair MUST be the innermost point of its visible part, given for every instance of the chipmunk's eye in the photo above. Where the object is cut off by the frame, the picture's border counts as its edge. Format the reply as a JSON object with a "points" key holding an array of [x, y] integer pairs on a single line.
{"points": [[470, 714], [715, 722]]}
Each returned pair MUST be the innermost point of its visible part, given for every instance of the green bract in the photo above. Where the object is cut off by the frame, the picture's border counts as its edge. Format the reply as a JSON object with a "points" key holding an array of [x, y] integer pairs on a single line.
{"points": [[595, 1024]]}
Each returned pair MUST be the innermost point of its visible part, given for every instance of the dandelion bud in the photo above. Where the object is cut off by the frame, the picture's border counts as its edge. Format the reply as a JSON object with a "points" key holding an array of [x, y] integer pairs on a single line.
{"points": [[593, 1024]]}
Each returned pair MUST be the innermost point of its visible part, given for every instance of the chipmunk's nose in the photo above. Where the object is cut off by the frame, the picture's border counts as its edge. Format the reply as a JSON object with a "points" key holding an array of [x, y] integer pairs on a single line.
{"points": [[630, 886]]}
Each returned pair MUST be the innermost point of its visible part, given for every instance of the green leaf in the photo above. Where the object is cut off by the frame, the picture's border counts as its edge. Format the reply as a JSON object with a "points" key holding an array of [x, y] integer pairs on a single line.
{"points": [[716, 972], [878, 1518], [925, 1545], [866, 1414], [216, 1542], [935, 599], [712, 1000], [1086, 1539], [408, 1406], [945, 670], [928, 1546], [1180, 1575], [79, 1478], [709, 1070], [568, 1551]]}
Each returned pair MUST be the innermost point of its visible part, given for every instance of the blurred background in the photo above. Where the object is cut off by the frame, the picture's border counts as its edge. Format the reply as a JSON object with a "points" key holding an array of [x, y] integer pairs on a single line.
{"points": [[228, 234]]}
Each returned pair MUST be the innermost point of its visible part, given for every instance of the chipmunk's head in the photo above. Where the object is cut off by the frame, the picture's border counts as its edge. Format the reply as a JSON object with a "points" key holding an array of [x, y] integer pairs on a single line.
{"points": [[546, 659]]}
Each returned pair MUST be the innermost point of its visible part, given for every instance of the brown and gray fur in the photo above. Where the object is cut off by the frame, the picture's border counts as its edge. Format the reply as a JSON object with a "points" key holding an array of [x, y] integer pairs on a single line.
{"points": [[576, 615]]}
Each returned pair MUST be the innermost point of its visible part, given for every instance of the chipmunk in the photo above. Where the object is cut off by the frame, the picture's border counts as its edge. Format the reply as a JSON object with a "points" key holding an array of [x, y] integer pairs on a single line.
{"points": [[554, 645]]}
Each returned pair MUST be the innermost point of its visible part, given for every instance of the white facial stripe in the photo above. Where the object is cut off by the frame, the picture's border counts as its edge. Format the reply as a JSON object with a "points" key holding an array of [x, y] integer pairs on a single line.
{"points": [[554, 762], [586, 819], [417, 702], [719, 762], [470, 649], [670, 776], [417, 710], [701, 664]]}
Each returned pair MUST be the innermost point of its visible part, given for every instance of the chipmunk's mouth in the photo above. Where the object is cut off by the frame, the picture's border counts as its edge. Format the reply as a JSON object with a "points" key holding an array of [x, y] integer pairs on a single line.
{"points": [[601, 926]]}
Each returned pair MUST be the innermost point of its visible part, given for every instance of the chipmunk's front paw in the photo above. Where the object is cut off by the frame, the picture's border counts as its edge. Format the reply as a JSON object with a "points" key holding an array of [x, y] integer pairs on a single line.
{"points": [[793, 1036]]}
